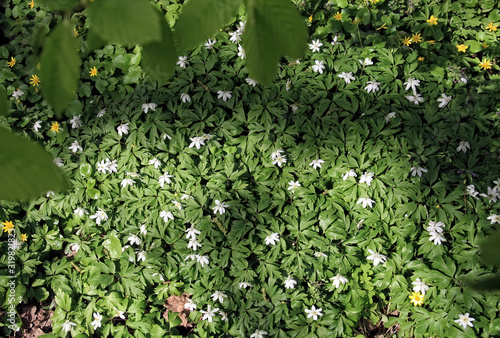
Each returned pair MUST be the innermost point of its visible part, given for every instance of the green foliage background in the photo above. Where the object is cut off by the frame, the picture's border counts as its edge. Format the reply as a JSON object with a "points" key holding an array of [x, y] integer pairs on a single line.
{"points": [[306, 114]]}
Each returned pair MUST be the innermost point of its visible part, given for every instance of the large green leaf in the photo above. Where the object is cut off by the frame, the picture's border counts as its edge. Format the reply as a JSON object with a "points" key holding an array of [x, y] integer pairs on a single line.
{"points": [[126, 22], [274, 29], [113, 245], [490, 249], [51, 5], [158, 58], [488, 283], [201, 19], [60, 67], [3, 102], [26, 170]]}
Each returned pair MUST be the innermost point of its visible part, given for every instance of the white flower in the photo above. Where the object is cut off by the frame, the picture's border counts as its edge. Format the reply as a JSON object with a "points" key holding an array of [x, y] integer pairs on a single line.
{"points": [[272, 239], [413, 84], [202, 260], [50, 193], [348, 77], [217, 295], [127, 181], [119, 313], [288, 85], [366, 62], [185, 197], [141, 256], [112, 166], [76, 121], [241, 52], [376, 258], [147, 106], [17, 94], [80, 212], [258, 334], [313, 313], [75, 146], [244, 285], [194, 244], [223, 316], [319, 66], [290, 282], [293, 185], [335, 42], [191, 232], [389, 116], [220, 207], [464, 320], [190, 305], [336, 280], [165, 136], [320, 254], [436, 237], [251, 81], [177, 204], [185, 97], [134, 239], [143, 230], [444, 100], [101, 113], [74, 247], [365, 202], [294, 107], [493, 194], [463, 146], [183, 62], [420, 286], [66, 327], [99, 216], [166, 215], [191, 257], [209, 314], [316, 163], [315, 45], [155, 162], [279, 160], [122, 129], [206, 137], [494, 219], [210, 43], [197, 142], [97, 320], [59, 162], [37, 125], [276, 153], [366, 178], [349, 173], [415, 99], [224, 95], [235, 36], [471, 190], [165, 178], [372, 86], [418, 170], [435, 227]]}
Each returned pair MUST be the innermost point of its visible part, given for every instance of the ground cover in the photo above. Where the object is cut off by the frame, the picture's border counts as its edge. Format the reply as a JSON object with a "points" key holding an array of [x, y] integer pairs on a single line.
{"points": [[356, 188]]}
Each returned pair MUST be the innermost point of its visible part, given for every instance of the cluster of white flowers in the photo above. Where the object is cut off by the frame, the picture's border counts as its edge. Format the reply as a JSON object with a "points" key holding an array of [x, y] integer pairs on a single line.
{"points": [[236, 35], [199, 141], [277, 158], [435, 230], [191, 233], [149, 106]]}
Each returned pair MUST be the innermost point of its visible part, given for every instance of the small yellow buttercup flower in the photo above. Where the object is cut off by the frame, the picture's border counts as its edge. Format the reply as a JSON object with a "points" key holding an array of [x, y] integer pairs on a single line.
{"points": [[491, 27], [486, 64], [31, 4], [407, 41], [12, 62], [432, 20], [462, 48], [24, 237], [357, 21], [35, 80], [54, 127], [416, 38], [311, 18], [8, 226], [338, 16], [93, 71], [421, 58], [432, 42], [417, 298], [485, 45]]}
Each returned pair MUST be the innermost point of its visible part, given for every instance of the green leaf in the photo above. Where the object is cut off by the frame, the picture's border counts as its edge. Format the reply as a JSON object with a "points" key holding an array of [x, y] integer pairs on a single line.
{"points": [[201, 19], [52, 5], [489, 283], [85, 170], [158, 59], [126, 22], [63, 300], [490, 249], [93, 193], [113, 245], [274, 28], [3, 102], [26, 170], [60, 67]]}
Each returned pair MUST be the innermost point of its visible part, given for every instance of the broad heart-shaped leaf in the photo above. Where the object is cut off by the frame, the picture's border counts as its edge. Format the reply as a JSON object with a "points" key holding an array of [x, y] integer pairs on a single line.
{"points": [[26, 170], [490, 249], [113, 245], [126, 22], [60, 67], [51, 5], [201, 19], [158, 58], [274, 29]]}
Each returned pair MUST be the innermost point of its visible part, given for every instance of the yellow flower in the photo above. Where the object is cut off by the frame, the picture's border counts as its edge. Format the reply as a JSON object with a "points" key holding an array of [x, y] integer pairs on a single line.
{"points": [[31, 4], [486, 64], [75, 32], [417, 298], [24, 237], [93, 71], [432, 20], [462, 48], [35, 80], [38, 65], [485, 45], [8, 226], [12, 62], [374, 1], [491, 27], [384, 26], [54, 127], [311, 18], [357, 21], [407, 41], [421, 58], [432, 42], [416, 38], [338, 16]]}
